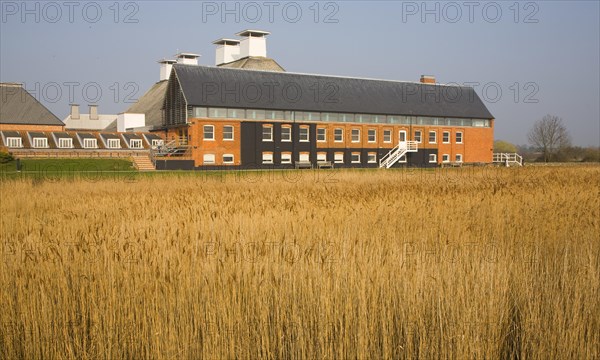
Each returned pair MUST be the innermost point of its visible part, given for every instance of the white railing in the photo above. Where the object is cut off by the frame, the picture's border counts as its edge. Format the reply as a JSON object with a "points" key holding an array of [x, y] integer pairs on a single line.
{"points": [[508, 158], [397, 153]]}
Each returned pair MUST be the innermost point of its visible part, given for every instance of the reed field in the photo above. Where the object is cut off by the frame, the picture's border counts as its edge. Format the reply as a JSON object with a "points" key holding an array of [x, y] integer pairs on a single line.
{"points": [[470, 263]]}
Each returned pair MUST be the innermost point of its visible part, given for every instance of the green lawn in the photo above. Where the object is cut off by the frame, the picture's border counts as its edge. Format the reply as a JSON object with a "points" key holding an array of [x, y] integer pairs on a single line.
{"points": [[65, 168]]}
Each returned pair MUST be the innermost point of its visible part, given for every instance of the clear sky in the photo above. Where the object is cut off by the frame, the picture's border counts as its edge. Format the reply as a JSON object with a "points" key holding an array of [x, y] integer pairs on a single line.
{"points": [[528, 58]]}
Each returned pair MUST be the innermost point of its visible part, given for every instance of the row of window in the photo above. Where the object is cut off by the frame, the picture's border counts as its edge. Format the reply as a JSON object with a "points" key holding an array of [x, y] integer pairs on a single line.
{"points": [[87, 143], [338, 134], [261, 114], [445, 158]]}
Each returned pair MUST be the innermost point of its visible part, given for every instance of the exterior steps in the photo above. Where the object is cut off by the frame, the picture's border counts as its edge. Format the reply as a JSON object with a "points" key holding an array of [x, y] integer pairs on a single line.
{"points": [[143, 163]]}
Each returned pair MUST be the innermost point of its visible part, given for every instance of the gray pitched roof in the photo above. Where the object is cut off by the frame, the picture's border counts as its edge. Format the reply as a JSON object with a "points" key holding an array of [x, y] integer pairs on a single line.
{"points": [[254, 63], [150, 104], [110, 136], [224, 87], [84, 135], [11, 134], [37, 135], [17, 106], [62, 135], [131, 136]]}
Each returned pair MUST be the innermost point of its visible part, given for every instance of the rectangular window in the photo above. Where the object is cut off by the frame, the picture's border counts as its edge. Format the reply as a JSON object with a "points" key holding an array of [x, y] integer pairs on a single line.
{"points": [[157, 142], [346, 117], [286, 133], [387, 136], [355, 135], [312, 116], [267, 158], [446, 137], [228, 133], [432, 158], [321, 134], [267, 133], [355, 157], [208, 158], [286, 158], [458, 158], [418, 136], [321, 156], [432, 137], [227, 158], [372, 135], [90, 143], [304, 157], [304, 134], [209, 132], [236, 113], [445, 158], [255, 114], [217, 113], [372, 158], [274, 115], [200, 112], [338, 157], [113, 143], [13, 142], [65, 143], [135, 143], [40, 142], [459, 137], [338, 134]]}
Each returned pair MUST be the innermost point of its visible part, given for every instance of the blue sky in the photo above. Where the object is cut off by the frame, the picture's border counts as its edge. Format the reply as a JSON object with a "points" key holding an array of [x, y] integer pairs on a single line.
{"points": [[528, 58]]}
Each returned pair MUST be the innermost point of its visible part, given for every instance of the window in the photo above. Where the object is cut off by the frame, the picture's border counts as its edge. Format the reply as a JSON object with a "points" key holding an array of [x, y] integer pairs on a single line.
{"points": [[255, 114], [312, 116], [40, 142], [113, 143], [286, 158], [209, 132], [432, 137], [286, 133], [236, 113], [90, 143], [227, 158], [338, 134], [267, 133], [338, 157], [217, 113], [432, 158], [402, 135], [445, 158], [446, 137], [65, 143], [387, 136], [418, 136], [200, 112], [355, 135], [267, 158], [371, 135], [274, 115], [13, 142], [372, 157], [228, 133], [304, 133], [459, 137], [321, 156], [321, 134], [355, 158], [135, 144], [458, 158], [157, 142], [208, 158], [304, 157]]}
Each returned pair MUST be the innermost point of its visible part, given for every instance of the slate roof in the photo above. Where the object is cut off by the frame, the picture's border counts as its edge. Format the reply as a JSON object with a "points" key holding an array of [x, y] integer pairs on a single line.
{"points": [[62, 135], [130, 136], [11, 134], [150, 104], [110, 136], [37, 135], [254, 63], [209, 86], [84, 135], [17, 106]]}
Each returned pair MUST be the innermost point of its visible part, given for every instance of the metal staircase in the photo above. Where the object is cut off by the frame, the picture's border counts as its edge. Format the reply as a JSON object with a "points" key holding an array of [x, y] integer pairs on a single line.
{"points": [[174, 148], [397, 153], [508, 159]]}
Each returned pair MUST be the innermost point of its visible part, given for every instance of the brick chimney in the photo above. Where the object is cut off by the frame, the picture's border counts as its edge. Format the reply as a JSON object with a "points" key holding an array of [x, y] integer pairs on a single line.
{"points": [[428, 79]]}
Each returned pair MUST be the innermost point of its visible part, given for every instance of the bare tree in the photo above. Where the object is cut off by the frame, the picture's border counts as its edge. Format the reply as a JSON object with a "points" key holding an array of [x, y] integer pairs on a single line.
{"points": [[550, 135]]}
